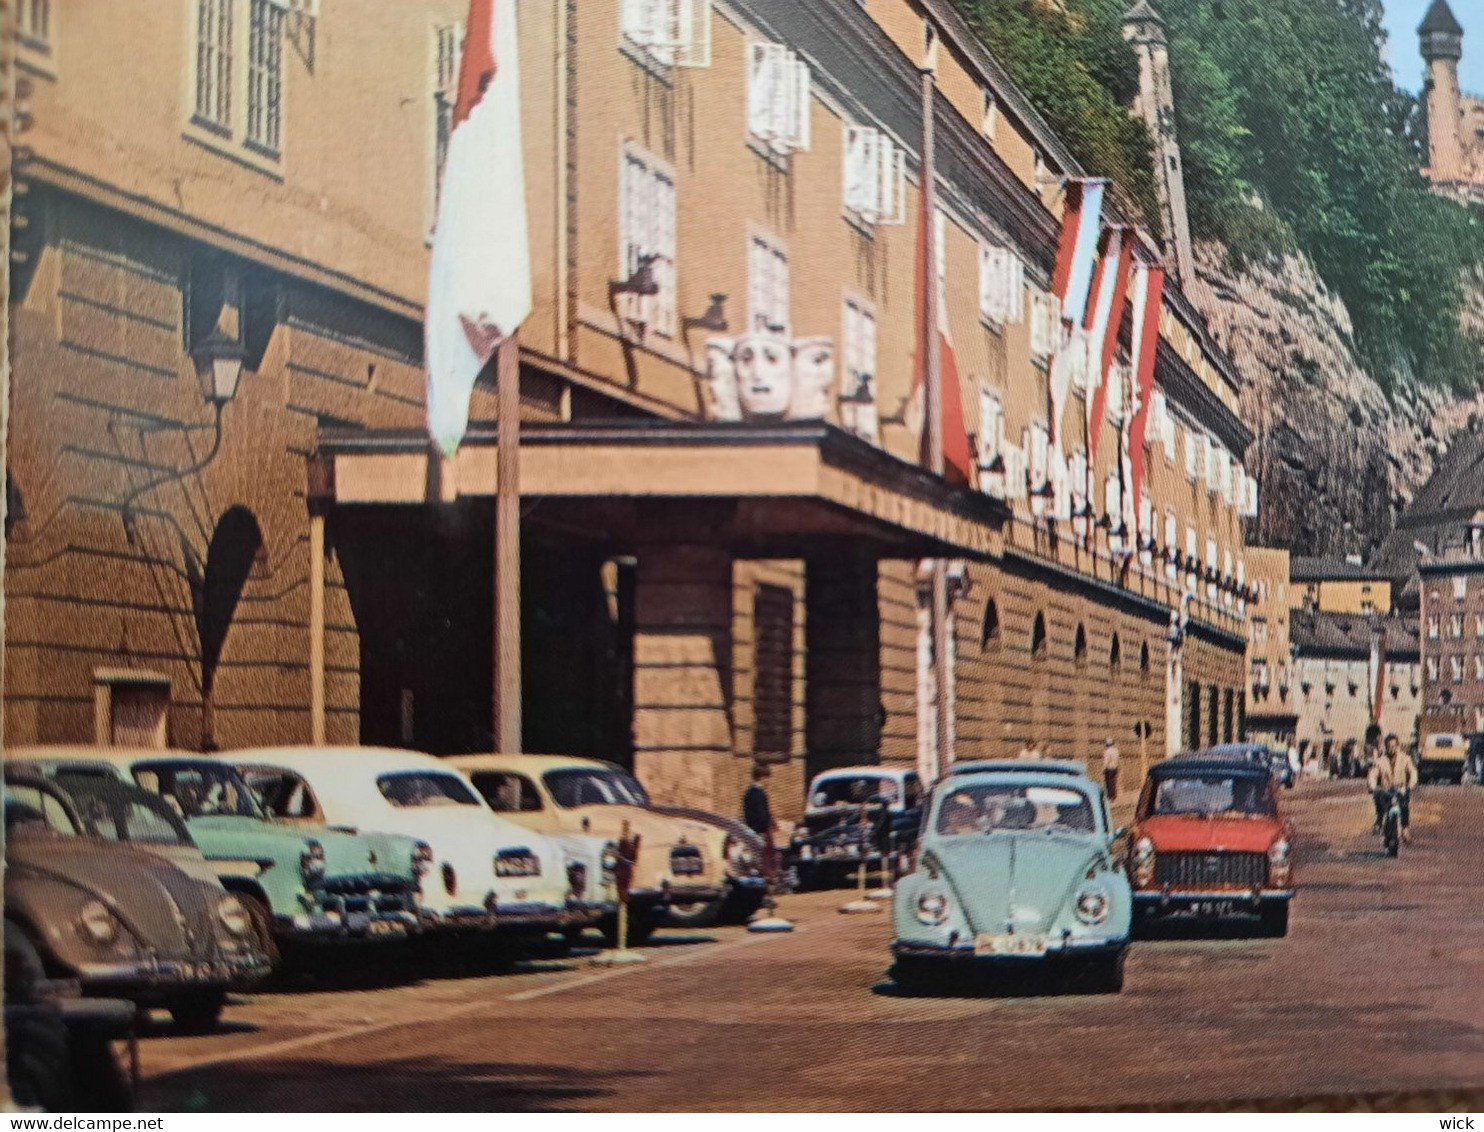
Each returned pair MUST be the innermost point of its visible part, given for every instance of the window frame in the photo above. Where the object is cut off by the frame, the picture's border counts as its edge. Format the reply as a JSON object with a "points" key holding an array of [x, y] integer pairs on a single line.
{"points": [[761, 241], [660, 238]]}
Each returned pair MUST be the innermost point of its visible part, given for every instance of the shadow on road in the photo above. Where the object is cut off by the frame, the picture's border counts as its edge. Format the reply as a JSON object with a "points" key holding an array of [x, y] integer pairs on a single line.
{"points": [[986, 984], [421, 1084], [1172, 929]]}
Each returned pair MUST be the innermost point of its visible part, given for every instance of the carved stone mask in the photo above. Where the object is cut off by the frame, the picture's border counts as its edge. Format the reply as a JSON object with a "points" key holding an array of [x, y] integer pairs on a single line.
{"points": [[814, 374], [721, 378], [763, 371]]}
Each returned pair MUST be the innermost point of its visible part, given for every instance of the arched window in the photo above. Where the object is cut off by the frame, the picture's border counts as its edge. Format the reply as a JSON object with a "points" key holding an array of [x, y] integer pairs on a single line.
{"points": [[1038, 637], [1115, 654], [1079, 646], [1144, 658], [990, 633]]}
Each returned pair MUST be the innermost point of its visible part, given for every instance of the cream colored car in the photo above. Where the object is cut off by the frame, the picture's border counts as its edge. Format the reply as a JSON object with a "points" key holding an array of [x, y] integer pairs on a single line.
{"points": [[682, 872]]}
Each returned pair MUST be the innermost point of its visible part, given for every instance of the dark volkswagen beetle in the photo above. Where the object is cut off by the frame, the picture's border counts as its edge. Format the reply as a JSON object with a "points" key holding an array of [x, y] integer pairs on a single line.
{"points": [[99, 903]]}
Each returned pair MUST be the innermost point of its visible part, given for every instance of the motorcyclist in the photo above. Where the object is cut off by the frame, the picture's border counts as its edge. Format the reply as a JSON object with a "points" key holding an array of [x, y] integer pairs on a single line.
{"points": [[1393, 770]]}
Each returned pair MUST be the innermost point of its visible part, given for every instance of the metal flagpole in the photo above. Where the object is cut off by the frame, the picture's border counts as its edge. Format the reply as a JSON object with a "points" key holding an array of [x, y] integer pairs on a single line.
{"points": [[933, 426], [507, 674]]}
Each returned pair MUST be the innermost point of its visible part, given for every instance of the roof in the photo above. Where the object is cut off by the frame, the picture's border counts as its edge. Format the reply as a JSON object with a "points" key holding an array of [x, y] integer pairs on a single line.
{"points": [[1440, 18], [1038, 766], [1305, 569], [1435, 524], [112, 756], [536, 764], [1191, 765], [877, 769], [1312, 631], [1143, 10]]}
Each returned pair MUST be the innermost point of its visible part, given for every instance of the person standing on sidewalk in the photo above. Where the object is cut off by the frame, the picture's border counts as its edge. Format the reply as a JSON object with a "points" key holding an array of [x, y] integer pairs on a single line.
{"points": [[757, 815], [1110, 768]]}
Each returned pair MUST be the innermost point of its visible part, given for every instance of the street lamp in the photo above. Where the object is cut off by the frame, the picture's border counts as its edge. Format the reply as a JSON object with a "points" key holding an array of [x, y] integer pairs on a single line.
{"points": [[218, 361]]}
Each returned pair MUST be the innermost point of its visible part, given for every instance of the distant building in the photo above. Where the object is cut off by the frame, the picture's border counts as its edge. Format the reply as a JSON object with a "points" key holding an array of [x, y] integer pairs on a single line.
{"points": [[1452, 590], [1332, 585], [1272, 714], [1455, 120]]}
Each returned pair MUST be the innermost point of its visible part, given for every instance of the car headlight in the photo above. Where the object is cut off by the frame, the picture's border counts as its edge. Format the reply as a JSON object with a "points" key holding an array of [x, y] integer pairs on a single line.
{"points": [[932, 909], [1143, 860], [1278, 852], [1092, 906], [312, 861], [233, 915], [96, 923]]}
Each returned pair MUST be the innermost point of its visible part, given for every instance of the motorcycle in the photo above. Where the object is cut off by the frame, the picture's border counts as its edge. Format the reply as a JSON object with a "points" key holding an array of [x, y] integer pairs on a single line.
{"points": [[1391, 821]]}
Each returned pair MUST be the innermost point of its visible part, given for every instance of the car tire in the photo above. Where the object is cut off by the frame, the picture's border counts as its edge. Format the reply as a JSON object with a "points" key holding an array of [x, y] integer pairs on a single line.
{"points": [[641, 927], [200, 1013], [1275, 921], [262, 928], [1102, 974], [916, 976], [38, 1054], [698, 914]]}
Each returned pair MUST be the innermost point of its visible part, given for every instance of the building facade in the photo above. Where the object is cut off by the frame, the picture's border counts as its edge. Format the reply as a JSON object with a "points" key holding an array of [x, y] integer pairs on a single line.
{"points": [[1455, 120], [1272, 713], [228, 527], [1452, 616]]}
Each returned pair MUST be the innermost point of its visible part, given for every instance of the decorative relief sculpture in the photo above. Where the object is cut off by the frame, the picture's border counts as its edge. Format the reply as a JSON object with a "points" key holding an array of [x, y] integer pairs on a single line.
{"points": [[763, 377]]}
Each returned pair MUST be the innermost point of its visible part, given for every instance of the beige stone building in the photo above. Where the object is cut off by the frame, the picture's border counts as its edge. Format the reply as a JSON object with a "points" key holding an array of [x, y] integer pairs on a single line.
{"points": [[227, 529], [1455, 119], [1272, 714]]}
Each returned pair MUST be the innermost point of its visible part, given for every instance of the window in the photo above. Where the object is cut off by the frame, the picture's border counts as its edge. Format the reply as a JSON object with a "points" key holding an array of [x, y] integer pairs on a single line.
{"points": [[597, 786], [1479, 625], [448, 45], [1172, 538], [1455, 626], [989, 116], [1456, 664], [33, 20], [647, 235], [214, 20], [772, 681], [1166, 423], [1460, 588], [1432, 670], [1115, 653], [423, 789], [282, 793], [767, 286], [1432, 627], [672, 33], [778, 97], [1144, 658], [875, 176], [1045, 324], [1113, 498], [1038, 637], [989, 632], [1478, 666], [507, 793], [1001, 285], [858, 392], [265, 75], [1259, 630], [1191, 457], [991, 430], [1038, 445], [1079, 645], [1250, 503]]}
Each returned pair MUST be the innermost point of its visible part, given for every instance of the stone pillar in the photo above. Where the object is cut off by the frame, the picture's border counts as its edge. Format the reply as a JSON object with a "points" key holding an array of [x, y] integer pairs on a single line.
{"points": [[683, 726], [842, 633], [1441, 38]]}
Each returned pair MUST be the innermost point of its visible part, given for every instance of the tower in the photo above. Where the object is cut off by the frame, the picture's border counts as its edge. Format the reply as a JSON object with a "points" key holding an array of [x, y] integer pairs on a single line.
{"points": [[1441, 37], [1144, 30]]}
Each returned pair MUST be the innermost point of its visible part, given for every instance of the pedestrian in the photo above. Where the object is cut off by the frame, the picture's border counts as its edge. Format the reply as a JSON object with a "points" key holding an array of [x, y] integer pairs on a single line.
{"points": [[757, 815], [1110, 768]]}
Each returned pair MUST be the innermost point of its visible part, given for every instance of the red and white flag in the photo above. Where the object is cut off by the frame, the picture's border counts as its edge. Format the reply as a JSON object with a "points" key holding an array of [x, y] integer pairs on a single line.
{"points": [[1148, 300], [957, 461], [1109, 302], [1071, 282], [479, 289]]}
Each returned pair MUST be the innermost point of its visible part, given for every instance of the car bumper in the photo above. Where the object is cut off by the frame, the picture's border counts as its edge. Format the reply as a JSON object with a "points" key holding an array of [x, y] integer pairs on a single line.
{"points": [[169, 974], [329, 927], [1209, 903], [965, 953], [664, 896]]}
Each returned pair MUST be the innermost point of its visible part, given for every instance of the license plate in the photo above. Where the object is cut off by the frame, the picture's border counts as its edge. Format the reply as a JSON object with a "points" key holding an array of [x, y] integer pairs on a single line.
{"points": [[1213, 907], [384, 927], [988, 943]]}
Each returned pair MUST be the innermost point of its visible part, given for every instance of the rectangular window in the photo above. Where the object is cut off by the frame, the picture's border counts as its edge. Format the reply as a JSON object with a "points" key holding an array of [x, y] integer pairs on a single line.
{"points": [[214, 22], [673, 33], [1045, 324], [1455, 626], [265, 75], [1113, 498], [33, 19], [772, 682], [1190, 455], [875, 176], [1479, 625], [778, 97], [858, 389], [1478, 666], [1259, 630], [448, 46], [767, 286], [1171, 548], [1001, 285], [1164, 423], [1455, 663], [1038, 446], [989, 116], [1432, 627], [991, 428], [647, 235], [1432, 670], [1460, 588]]}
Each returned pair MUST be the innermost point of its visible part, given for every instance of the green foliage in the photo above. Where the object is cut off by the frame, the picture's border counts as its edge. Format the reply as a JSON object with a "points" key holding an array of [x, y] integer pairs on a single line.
{"points": [[1293, 136]]}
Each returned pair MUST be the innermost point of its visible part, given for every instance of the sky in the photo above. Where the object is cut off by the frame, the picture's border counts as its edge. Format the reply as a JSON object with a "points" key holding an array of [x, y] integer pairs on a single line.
{"points": [[1402, 18]]}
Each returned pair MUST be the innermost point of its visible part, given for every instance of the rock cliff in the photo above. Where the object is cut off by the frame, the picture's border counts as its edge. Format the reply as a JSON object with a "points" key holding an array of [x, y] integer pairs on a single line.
{"points": [[1336, 457]]}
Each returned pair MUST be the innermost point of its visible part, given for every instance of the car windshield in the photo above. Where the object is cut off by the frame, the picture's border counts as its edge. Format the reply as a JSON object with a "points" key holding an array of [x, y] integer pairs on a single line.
{"points": [[852, 790], [980, 808], [594, 786], [32, 810], [1210, 794], [417, 789], [199, 789], [117, 813]]}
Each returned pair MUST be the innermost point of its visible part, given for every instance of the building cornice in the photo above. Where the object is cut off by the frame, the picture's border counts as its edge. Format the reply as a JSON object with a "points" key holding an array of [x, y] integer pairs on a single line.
{"points": [[1185, 386]]}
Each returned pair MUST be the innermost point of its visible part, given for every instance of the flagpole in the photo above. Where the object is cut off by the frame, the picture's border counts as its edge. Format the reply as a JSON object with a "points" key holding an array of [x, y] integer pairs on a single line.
{"points": [[933, 388], [507, 659]]}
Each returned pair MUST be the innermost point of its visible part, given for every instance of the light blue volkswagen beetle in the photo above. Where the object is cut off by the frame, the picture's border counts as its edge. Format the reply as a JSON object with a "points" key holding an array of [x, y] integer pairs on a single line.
{"points": [[1014, 868]]}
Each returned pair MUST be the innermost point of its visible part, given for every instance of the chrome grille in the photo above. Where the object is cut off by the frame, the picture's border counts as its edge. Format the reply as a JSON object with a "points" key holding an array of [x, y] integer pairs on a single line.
{"points": [[1213, 869]]}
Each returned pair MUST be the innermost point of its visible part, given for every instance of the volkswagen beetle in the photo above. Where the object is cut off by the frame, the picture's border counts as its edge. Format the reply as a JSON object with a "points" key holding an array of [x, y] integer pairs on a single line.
{"points": [[1015, 868]]}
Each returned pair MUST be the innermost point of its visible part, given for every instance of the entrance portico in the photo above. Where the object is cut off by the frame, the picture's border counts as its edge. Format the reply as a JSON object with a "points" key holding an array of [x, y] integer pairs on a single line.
{"points": [[671, 509]]}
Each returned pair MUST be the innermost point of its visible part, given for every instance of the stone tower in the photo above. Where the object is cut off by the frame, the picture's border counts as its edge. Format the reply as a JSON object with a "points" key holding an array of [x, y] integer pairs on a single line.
{"points": [[1442, 48], [1145, 32]]}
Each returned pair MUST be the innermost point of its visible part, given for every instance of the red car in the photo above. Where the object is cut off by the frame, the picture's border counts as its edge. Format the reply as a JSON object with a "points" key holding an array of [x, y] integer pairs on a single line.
{"points": [[1208, 843]]}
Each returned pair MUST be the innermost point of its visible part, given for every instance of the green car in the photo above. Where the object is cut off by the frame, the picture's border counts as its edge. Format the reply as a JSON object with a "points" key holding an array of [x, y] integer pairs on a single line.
{"points": [[302, 885], [1015, 870]]}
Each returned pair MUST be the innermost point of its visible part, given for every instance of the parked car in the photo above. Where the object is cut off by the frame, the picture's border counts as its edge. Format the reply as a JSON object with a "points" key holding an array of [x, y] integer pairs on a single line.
{"points": [[1015, 866], [116, 915], [681, 870], [1474, 764], [1442, 758], [869, 811], [309, 884], [1259, 754], [746, 882], [1208, 842], [480, 871]]}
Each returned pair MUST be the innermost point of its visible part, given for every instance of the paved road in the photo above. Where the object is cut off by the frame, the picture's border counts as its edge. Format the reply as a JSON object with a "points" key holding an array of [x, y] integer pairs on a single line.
{"points": [[1376, 988]]}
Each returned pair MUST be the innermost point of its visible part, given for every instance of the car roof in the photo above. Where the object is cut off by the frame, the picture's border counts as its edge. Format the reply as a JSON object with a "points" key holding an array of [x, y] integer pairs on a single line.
{"points": [[875, 770], [380, 760], [535, 764], [1192, 765], [87, 752], [1040, 766], [1026, 774]]}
